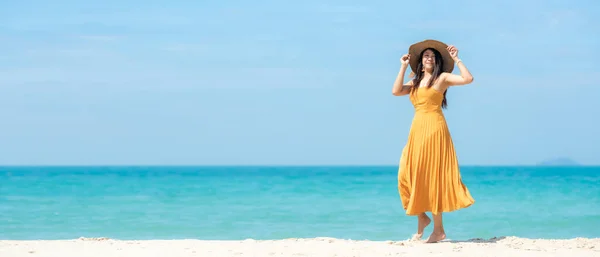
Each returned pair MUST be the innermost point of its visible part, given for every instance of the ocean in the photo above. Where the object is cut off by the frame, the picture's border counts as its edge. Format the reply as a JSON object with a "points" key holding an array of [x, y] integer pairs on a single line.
{"points": [[236, 203]]}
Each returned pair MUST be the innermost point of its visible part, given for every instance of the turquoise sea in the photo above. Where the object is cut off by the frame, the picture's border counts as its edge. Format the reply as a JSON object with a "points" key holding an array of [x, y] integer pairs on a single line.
{"points": [[234, 203]]}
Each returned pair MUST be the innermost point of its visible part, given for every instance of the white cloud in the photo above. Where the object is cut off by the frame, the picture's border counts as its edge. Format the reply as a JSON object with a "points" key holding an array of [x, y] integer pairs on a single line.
{"points": [[188, 48], [345, 9], [542, 81], [100, 38]]}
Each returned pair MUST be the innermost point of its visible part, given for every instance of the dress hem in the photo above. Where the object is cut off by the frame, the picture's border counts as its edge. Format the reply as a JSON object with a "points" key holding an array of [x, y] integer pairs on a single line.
{"points": [[442, 211]]}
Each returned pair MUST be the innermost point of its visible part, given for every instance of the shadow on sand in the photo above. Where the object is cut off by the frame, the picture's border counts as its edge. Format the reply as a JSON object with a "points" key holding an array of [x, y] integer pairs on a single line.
{"points": [[476, 240]]}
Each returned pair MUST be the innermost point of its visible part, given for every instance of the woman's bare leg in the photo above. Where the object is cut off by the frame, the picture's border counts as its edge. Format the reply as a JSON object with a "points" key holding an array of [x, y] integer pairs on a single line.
{"points": [[424, 220], [438, 233]]}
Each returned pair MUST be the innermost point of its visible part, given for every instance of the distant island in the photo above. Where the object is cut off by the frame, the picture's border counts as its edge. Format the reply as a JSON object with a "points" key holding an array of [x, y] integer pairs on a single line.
{"points": [[563, 161]]}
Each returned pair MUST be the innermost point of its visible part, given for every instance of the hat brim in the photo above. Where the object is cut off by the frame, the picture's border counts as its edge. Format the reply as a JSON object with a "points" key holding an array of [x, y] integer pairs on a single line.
{"points": [[416, 49]]}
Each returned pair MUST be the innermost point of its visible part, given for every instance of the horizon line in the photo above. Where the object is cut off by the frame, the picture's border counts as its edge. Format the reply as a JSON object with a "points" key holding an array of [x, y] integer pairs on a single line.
{"points": [[284, 165]]}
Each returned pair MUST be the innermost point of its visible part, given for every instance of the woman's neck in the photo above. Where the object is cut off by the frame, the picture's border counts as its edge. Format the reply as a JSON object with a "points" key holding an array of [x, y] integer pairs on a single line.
{"points": [[427, 75]]}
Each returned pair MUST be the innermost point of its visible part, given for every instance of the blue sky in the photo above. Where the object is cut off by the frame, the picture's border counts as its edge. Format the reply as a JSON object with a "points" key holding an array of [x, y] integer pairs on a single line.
{"points": [[297, 83]]}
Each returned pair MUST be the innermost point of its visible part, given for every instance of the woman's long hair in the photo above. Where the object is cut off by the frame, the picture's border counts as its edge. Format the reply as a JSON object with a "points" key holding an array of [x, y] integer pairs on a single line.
{"points": [[437, 71]]}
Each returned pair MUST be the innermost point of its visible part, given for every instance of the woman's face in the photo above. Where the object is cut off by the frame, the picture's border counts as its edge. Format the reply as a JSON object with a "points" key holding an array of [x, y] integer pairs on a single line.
{"points": [[428, 60]]}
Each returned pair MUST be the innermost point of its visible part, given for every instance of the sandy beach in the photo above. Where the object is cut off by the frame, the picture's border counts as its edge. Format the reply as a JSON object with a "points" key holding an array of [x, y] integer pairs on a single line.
{"points": [[92, 247]]}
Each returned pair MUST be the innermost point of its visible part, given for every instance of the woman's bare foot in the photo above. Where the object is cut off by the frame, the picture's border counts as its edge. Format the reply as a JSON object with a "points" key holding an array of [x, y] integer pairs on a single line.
{"points": [[438, 233], [424, 221], [436, 236]]}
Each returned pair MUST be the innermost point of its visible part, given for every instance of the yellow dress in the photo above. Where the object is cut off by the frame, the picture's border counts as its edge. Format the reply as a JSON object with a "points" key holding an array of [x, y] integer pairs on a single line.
{"points": [[429, 179]]}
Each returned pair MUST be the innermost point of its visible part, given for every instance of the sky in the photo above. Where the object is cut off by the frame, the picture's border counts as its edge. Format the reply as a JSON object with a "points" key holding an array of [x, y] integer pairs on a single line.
{"points": [[289, 83]]}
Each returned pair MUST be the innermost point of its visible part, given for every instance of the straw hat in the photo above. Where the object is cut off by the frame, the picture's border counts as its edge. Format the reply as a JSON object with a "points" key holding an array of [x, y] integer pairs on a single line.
{"points": [[416, 49]]}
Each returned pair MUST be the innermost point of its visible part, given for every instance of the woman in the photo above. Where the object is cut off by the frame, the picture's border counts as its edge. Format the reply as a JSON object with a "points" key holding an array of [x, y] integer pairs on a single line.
{"points": [[428, 175]]}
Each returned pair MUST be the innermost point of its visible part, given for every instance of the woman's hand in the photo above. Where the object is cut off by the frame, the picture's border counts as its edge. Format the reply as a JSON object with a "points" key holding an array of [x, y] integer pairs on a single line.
{"points": [[404, 60], [453, 52]]}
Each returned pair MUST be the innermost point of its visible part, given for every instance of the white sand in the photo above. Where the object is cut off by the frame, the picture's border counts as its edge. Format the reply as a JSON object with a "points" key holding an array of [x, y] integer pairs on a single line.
{"points": [[510, 246]]}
